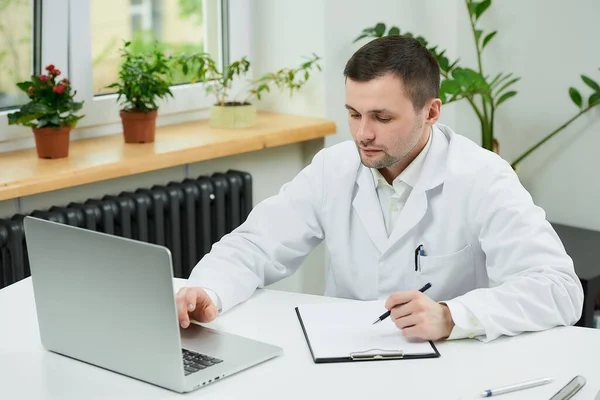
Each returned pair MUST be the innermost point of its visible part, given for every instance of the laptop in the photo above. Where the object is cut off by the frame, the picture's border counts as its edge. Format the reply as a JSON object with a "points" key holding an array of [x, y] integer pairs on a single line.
{"points": [[109, 301]]}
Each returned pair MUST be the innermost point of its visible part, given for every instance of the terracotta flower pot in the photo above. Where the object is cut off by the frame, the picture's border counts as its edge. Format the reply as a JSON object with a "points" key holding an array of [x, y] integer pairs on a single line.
{"points": [[139, 127], [52, 142]]}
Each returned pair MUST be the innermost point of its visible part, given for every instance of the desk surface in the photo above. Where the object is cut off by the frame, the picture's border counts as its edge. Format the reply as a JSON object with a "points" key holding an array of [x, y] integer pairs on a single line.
{"points": [[464, 369]]}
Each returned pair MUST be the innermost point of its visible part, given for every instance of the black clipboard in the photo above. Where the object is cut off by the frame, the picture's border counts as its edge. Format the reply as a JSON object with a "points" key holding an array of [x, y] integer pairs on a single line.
{"points": [[368, 355]]}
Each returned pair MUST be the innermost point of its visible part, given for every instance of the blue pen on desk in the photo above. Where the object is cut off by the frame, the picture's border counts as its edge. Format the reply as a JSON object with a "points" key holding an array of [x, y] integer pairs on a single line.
{"points": [[515, 387], [387, 313]]}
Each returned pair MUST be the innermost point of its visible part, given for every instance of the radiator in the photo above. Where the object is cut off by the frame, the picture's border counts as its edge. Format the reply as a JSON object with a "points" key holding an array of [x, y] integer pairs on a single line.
{"points": [[186, 217]]}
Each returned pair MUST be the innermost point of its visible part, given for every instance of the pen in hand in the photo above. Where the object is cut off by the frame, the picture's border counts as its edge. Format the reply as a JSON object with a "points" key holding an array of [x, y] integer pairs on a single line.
{"points": [[387, 313]]}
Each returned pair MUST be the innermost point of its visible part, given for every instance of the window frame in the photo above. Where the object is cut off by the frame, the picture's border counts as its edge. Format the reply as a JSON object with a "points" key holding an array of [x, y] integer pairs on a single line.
{"points": [[46, 51], [70, 51]]}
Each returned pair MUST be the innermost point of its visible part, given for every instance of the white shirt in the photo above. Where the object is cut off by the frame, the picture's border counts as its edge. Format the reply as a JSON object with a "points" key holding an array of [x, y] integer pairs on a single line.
{"points": [[392, 199]]}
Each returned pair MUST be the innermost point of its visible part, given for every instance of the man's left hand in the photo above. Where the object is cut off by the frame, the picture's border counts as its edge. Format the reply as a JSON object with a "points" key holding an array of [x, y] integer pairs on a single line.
{"points": [[420, 317]]}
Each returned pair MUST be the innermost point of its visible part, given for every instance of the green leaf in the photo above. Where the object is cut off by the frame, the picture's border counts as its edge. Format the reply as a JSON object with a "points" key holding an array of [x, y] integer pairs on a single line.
{"points": [[24, 86], [443, 97], [497, 81], [443, 62], [55, 120], [473, 8], [591, 83], [470, 79], [594, 99], [41, 123], [575, 96], [393, 31], [478, 33], [450, 86], [507, 84], [422, 40], [13, 118], [379, 29], [481, 7], [505, 97], [487, 39], [360, 37]]}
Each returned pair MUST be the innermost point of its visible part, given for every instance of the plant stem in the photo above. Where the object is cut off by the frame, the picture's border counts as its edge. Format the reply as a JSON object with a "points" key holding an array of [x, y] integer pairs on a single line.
{"points": [[549, 136], [479, 64]]}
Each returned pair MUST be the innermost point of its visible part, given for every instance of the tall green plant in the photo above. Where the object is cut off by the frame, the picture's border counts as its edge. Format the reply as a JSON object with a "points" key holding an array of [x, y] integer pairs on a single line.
{"points": [[483, 92]]}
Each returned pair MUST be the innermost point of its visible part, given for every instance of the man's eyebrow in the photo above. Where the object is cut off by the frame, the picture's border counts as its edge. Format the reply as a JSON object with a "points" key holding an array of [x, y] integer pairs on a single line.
{"points": [[375, 111]]}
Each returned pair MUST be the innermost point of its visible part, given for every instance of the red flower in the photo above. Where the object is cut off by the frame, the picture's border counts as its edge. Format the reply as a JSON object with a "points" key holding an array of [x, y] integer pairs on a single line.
{"points": [[59, 89], [30, 90], [44, 78], [50, 67], [55, 72], [65, 81]]}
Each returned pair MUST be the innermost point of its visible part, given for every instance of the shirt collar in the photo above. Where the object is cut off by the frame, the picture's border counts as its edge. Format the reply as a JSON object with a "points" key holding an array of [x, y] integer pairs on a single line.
{"points": [[411, 172]]}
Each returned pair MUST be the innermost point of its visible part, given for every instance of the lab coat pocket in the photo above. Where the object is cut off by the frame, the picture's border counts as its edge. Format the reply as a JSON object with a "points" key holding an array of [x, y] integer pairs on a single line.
{"points": [[450, 275]]}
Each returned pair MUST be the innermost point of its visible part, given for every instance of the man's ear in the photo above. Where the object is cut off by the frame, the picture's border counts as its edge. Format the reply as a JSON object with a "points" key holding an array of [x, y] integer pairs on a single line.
{"points": [[434, 110]]}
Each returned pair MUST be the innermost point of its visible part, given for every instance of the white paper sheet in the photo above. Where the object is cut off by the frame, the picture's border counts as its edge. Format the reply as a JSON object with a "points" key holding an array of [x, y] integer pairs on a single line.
{"points": [[335, 330]]}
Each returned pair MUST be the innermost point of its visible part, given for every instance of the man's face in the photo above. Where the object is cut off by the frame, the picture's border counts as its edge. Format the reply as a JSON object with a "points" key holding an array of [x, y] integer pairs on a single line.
{"points": [[383, 122]]}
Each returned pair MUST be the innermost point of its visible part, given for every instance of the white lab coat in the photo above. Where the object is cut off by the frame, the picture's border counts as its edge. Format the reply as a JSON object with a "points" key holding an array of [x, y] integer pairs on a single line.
{"points": [[487, 246]]}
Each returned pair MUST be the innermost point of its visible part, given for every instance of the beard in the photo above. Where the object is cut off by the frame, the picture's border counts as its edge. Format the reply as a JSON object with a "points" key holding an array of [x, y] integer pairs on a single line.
{"points": [[383, 159]]}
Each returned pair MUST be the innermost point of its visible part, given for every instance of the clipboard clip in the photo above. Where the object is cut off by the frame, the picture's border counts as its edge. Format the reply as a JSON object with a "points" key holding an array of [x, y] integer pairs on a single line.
{"points": [[376, 354]]}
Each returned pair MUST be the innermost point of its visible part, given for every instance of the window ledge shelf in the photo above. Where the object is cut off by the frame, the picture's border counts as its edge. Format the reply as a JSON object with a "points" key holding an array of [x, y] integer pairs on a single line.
{"points": [[108, 157]]}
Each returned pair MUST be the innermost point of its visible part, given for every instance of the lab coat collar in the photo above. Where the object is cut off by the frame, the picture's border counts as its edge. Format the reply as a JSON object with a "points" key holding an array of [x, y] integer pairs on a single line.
{"points": [[367, 204]]}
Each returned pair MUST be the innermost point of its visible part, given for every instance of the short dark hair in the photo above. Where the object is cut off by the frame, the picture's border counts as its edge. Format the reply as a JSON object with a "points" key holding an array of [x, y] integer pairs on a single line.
{"points": [[403, 56]]}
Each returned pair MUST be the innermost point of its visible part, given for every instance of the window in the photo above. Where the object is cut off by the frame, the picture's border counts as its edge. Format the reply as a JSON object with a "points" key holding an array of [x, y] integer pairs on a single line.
{"points": [[177, 25], [16, 49], [83, 37]]}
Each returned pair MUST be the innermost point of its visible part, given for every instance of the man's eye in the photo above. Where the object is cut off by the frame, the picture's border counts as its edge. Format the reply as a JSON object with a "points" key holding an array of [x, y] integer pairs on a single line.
{"points": [[354, 115], [384, 120]]}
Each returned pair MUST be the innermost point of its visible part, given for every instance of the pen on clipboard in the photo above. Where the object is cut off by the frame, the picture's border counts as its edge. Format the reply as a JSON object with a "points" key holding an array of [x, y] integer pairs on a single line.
{"points": [[387, 313]]}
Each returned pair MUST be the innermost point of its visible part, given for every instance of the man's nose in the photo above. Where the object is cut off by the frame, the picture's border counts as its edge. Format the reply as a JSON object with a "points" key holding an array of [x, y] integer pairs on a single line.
{"points": [[365, 133]]}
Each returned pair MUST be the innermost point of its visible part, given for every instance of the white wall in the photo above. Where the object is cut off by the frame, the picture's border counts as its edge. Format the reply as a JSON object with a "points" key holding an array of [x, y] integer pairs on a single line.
{"points": [[284, 33], [549, 44]]}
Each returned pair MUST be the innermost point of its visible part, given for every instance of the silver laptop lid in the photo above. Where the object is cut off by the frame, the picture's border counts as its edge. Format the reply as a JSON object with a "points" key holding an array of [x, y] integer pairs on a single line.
{"points": [[106, 300]]}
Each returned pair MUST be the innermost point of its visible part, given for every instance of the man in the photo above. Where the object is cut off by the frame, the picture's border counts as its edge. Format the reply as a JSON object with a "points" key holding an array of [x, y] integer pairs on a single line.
{"points": [[416, 203]]}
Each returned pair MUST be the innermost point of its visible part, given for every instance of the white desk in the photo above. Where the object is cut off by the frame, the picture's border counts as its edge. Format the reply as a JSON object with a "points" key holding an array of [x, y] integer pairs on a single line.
{"points": [[465, 367]]}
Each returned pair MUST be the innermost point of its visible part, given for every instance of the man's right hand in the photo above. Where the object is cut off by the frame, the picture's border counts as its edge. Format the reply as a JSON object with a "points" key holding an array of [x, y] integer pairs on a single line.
{"points": [[194, 303]]}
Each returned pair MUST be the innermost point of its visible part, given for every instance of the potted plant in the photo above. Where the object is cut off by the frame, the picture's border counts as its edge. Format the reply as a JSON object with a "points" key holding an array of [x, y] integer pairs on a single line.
{"points": [[50, 112], [143, 79], [483, 92], [239, 112]]}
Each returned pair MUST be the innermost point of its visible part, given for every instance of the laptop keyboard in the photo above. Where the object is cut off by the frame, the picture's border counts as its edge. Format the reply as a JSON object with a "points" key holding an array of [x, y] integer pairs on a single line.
{"points": [[194, 362]]}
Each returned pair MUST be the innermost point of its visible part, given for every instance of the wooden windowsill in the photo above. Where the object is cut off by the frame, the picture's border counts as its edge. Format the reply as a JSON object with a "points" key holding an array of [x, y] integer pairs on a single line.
{"points": [[22, 173]]}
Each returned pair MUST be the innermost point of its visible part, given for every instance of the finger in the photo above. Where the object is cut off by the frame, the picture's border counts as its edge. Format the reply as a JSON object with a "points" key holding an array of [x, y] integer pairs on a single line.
{"points": [[408, 321], [191, 300], [403, 310], [415, 331], [399, 298], [182, 313]]}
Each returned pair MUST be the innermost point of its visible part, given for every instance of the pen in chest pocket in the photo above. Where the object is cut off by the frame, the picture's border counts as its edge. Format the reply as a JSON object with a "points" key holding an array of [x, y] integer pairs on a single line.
{"points": [[419, 252]]}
